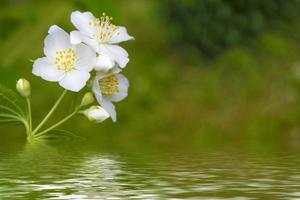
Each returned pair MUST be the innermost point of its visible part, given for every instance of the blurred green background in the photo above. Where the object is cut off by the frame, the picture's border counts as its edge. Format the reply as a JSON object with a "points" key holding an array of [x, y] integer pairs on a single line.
{"points": [[202, 73]]}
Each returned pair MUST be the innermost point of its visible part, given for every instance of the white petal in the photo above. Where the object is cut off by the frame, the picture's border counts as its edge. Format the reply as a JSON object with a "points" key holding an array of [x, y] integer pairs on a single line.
{"points": [[75, 37], [81, 21], [115, 70], [123, 89], [117, 50], [91, 42], [46, 69], [57, 39], [96, 113], [74, 80], [96, 87], [85, 57], [102, 74], [54, 28], [100, 115], [110, 108], [107, 105], [120, 35], [104, 63], [117, 53]]}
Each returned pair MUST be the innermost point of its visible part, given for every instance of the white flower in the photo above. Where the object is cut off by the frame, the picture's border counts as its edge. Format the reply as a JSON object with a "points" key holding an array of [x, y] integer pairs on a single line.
{"points": [[110, 87], [65, 63], [96, 113], [102, 36]]}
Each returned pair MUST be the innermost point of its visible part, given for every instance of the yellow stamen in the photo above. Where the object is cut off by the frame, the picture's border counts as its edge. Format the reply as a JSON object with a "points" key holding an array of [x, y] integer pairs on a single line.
{"points": [[104, 28], [109, 85], [65, 59]]}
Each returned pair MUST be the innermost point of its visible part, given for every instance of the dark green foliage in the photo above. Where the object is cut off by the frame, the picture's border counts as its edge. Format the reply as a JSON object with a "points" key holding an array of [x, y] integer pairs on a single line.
{"points": [[214, 25]]}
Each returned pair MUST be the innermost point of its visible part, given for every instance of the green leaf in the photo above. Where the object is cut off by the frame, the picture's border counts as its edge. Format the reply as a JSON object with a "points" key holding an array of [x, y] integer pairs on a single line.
{"points": [[59, 135], [12, 107], [10, 121], [5, 109], [11, 102]]}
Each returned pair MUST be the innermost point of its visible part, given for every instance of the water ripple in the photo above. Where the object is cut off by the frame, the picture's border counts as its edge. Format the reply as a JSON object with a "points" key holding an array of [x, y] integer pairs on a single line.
{"points": [[57, 174]]}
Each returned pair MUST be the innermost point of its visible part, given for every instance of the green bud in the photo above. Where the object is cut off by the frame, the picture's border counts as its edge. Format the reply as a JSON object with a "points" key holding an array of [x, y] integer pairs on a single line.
{"points": [[23, 87], [87, 99]]}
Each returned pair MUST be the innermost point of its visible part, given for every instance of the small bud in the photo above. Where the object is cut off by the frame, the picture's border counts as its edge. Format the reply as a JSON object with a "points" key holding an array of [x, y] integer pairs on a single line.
{"points": [[87, 99], [23, 87], [96, 114]]}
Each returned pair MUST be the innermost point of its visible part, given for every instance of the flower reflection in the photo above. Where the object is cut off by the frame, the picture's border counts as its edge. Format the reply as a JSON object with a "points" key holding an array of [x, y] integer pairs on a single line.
{"points": [[57, 173], [46, 172]]}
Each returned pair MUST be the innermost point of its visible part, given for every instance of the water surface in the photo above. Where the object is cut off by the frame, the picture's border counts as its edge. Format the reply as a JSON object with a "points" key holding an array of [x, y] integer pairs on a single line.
{"points": [[38, 171]]}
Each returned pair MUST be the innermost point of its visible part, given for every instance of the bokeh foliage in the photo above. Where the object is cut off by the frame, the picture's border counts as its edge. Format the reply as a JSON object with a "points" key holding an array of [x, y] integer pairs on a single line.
{"points": [[249, 92], [214, 25]]}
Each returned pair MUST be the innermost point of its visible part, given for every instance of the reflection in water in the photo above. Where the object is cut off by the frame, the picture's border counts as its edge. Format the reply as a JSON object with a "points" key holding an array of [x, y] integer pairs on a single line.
{"points": [[45, 172]]}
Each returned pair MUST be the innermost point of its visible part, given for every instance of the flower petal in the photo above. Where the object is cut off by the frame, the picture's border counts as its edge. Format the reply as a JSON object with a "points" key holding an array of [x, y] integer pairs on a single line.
{"points": [[96, 113], [107, 105], [46, 69], [104, 63], [120, 35], [81, 20], [75, 37], [74, 80], [117, 53], [96, 87], [57, 39], [110, 108], [123, 89], [103, 74], [86, 57], [54, 28]]}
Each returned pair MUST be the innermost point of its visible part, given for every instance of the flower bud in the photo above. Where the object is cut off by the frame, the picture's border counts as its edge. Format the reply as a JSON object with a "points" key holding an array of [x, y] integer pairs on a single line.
{"points": [[96, 114], [23, 87], [87, 99]]}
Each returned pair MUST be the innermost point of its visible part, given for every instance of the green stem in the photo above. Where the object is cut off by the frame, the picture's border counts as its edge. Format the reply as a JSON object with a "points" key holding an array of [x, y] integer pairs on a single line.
{"points": [[58, 123], [29, 114], [50, 113]]}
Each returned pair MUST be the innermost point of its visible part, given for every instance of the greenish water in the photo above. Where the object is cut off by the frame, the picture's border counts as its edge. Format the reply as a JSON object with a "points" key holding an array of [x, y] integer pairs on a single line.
{"points": [[79, 171]]}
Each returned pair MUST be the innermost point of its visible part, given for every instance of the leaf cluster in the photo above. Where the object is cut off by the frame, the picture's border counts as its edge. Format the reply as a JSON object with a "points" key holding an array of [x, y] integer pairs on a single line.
{"points": [[12, 107]]}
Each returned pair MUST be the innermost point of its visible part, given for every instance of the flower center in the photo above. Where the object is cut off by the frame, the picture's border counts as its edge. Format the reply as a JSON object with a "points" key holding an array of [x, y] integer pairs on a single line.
{"points": [[104, 28], [64, 59], [109, 85]]}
